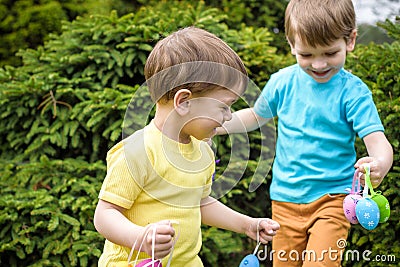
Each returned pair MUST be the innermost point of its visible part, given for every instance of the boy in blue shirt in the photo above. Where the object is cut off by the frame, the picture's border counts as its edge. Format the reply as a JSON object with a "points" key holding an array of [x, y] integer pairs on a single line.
{"points": [[320, 108]]}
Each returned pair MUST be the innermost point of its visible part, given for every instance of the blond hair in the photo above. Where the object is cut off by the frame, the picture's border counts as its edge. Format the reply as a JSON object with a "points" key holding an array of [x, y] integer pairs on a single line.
{"points": [[319, 22], [194, 59]]}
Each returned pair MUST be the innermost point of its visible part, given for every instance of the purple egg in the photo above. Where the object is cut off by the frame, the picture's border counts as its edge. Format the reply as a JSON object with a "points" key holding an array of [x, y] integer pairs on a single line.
{"points": [[349, 207], [148, 262]]}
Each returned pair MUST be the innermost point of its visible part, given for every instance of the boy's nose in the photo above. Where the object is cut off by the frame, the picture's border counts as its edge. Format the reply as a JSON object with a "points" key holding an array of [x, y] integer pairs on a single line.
{"points": [[319, 64], [228, 115]]}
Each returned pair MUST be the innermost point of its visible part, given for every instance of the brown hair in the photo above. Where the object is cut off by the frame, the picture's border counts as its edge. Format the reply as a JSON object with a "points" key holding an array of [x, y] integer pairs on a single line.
{"points": [[319, 22], [194, 59]]}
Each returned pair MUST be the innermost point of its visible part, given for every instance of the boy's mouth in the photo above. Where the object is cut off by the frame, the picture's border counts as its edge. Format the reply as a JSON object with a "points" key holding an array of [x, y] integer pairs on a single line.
{"points": [[321, 74], [214, 132]]}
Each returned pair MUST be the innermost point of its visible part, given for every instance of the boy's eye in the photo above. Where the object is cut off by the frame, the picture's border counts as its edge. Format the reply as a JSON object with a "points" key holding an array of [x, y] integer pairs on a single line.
{"points": [[225, 108], [305, 55], [330, 54]]}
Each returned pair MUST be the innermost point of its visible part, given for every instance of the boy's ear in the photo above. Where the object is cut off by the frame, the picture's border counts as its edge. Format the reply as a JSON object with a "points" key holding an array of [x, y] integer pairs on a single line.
{"points": [[352, 41], [292, 50], [181, 101]]}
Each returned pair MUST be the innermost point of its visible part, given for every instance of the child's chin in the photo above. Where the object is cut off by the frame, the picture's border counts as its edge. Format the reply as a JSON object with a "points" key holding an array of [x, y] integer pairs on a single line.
{"points": [[322, 79]]}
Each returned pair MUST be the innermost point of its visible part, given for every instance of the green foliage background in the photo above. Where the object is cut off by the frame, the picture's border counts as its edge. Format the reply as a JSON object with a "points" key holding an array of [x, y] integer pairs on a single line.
{"points": [[63, 108], [26, 23]]}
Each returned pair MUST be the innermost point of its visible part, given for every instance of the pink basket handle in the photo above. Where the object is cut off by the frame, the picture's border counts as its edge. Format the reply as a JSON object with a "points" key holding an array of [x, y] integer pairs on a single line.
{"points": [[356, 178]]}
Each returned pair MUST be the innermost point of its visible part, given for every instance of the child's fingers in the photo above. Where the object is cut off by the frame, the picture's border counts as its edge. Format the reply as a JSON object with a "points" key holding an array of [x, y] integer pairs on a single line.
{"points": [[163, 233], [376, 175], [163, 240], [269, 226], [265, 238], [267, 229], [360, 163], [162, 249]]}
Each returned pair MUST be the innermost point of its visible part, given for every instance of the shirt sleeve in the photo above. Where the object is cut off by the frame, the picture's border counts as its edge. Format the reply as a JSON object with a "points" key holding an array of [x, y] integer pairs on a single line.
{"points": [[362, 113], [266, 104], [124, 179]]}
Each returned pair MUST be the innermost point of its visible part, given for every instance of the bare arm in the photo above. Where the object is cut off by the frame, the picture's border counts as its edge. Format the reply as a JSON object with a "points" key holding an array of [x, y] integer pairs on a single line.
{"points": [[115, 227], [380, 157], [214, 213], [244, 120]]}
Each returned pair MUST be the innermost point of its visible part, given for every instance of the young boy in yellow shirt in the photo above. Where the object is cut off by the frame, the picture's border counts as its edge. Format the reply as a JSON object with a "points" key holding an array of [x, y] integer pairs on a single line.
{"points": [[163, 173]]}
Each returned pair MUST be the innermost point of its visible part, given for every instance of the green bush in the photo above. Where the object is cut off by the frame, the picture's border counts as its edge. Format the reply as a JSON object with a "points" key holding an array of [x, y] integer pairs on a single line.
{"points": [[26, 23], [47, 212], [64, 107]]}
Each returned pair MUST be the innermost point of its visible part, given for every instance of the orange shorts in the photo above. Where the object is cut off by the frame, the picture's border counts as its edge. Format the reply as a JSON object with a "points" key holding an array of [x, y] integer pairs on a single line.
{"points": [[311, 234]]}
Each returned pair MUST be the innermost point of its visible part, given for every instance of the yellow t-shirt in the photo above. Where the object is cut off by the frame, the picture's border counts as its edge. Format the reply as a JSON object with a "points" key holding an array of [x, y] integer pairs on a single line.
{"points": [[155, 178]]}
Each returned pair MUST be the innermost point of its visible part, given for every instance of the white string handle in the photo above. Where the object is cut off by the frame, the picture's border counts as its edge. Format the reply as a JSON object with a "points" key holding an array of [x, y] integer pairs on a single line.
{"points": [[258, 236], [367, 184], [147, 229], [153, 243], [173, 245]]}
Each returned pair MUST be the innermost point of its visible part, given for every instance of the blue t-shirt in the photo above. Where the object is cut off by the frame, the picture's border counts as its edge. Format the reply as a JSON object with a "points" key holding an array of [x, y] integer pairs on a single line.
{"points": [[317, 127]]}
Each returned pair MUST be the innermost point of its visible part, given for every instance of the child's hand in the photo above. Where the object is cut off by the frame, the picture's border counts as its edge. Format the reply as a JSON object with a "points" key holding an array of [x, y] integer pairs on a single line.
{"points": [[265, 227], [164, 241], [376, 170]]}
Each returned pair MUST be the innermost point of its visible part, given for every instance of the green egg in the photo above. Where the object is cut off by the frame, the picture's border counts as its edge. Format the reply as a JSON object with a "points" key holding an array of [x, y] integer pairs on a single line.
{"points": [[383, 205]]}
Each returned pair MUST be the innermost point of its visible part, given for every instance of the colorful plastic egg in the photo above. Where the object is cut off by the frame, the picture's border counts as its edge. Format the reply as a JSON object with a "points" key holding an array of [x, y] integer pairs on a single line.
{"points": [[349, 207], [250, 261], [368, 214], [148, 263], [384, 207]]}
